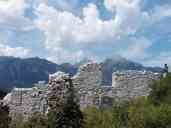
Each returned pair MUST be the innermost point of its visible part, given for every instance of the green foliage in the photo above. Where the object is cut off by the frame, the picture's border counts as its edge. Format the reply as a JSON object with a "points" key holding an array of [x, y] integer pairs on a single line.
{"points": [[158, 117], [70, 115], [120, 114], [153, 111], [37, 120], [161, 91], [17, 122], [98, 118], [4, 116], [141, 114], [53, 119], [136, 113]]}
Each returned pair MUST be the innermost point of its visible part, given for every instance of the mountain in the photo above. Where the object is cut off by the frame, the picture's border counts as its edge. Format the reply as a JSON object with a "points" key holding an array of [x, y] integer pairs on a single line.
{"points": [[118, 64], [25, 72], [83, 61]]}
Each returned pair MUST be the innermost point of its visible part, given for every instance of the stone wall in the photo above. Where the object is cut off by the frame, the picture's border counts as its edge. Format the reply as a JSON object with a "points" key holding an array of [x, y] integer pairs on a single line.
{"points": [[125, 85], [57, 89], [133, 83], [89, 75], [25, 102], [88, 85], [99, 96]]}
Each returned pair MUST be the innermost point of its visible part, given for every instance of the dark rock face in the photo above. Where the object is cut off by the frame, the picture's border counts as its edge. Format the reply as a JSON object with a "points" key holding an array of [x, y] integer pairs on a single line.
{"points": [[25, 72]]}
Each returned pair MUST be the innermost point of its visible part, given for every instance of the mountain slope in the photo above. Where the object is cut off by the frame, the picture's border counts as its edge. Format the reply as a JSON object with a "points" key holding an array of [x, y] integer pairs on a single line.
{"points": [[116, 64], [25, 72]]}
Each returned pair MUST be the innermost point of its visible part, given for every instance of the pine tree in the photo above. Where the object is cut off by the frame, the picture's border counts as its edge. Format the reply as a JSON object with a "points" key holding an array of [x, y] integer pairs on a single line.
{"points": [[70, 115], [166, 68], [2, 94]]}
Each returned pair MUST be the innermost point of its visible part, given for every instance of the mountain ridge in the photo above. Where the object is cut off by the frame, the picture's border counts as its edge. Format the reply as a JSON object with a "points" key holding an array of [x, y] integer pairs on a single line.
{"points": [[17, 72]]}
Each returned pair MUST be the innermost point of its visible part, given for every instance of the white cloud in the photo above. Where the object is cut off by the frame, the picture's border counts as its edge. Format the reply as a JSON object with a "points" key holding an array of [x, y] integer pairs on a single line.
{"points": [[12, 15], [70, 37], [12, 7], [62, 56], [159, 60], [137, 49], [5, 50], [113, 5], [64, 30]]}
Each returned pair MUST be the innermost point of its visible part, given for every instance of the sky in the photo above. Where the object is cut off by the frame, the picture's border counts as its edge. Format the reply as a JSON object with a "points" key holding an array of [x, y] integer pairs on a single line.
{"points": [[71, 30]]}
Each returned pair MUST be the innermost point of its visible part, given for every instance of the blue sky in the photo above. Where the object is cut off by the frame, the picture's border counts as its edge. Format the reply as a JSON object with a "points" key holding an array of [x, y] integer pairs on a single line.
{"points": [[70, 30]]}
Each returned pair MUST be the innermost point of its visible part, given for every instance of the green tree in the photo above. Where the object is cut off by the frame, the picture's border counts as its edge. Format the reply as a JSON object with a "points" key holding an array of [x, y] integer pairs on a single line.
{"points": [[120, 114], [98, 118], [158, 116], [137, 110], [70, 115], [37, 120], [4, 116], [161, 91], [17, 122], [153, 111]]}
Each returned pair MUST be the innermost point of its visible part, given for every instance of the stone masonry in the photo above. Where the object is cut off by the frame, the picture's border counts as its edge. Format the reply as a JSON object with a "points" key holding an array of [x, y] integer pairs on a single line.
{"points": [[89, 75], [57, 89], [88, 85], [25, 102], [130, 84]]}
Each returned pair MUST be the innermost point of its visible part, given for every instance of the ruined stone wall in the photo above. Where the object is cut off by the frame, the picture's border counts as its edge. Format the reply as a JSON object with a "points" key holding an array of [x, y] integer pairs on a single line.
{"points": [[88, 85], [99, 96], [125, 85], [89, 75], [25, 102], [57, 89], [132, 83]]}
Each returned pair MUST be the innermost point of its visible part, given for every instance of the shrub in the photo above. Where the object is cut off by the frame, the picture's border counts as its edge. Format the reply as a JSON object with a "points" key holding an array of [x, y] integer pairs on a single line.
{"points": [[98, 118], [161, 91], [4, 116]]}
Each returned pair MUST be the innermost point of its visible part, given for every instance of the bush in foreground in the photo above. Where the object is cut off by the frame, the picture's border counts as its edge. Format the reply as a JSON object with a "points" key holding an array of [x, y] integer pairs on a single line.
{"points": [[4, 116]]}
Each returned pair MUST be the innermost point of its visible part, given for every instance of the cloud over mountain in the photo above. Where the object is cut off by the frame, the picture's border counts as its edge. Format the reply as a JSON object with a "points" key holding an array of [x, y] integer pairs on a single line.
{"points": [[67, 31]]}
